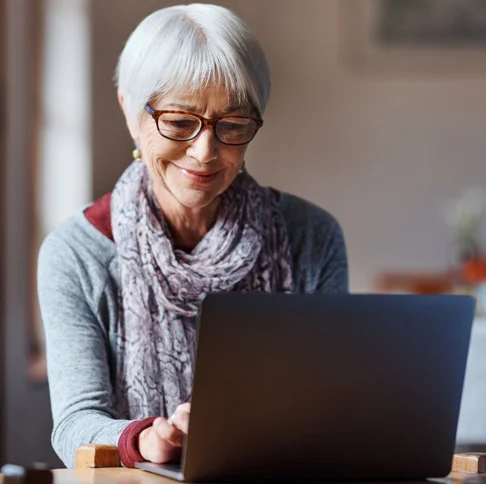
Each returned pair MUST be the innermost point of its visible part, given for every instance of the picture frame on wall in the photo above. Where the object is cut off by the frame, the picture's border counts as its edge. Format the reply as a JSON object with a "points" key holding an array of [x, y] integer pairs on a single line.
{"points": [[416, 36]]}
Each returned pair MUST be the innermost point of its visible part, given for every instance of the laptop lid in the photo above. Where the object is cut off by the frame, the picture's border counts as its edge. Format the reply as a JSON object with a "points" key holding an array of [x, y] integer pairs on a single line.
{"points": [[332, 387]]}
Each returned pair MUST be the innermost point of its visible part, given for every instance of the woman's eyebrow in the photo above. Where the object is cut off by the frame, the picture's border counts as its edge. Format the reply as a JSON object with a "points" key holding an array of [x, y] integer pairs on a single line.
{"points": [[232, 109], [195, 109], [182, 107]]}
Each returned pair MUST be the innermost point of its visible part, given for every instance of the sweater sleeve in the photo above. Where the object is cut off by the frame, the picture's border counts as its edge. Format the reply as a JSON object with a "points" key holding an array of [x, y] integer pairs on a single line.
{"points": [[334, 273], [77, 355]]}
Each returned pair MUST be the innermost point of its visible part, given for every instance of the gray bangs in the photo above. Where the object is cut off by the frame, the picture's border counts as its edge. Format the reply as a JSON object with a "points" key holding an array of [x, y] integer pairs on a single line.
{"points": [[197, 65]]}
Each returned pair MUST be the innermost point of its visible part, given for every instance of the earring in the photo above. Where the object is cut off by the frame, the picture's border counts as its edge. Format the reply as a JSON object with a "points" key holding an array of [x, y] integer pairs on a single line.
{"points": [[242, 168], [137, 154]]}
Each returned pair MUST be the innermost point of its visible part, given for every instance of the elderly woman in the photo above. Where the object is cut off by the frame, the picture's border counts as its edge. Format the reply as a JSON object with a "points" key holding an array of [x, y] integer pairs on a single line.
{"points": [[119, 282]]}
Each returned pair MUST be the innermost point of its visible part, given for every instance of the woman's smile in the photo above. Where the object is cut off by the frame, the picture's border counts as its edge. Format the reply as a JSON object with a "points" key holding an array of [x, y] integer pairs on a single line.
{"points": [[203, 177]]}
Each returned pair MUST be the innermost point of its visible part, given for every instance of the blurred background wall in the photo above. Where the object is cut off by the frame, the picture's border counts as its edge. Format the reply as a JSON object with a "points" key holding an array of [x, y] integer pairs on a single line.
{"points": [[24, 404], [383, 146]]}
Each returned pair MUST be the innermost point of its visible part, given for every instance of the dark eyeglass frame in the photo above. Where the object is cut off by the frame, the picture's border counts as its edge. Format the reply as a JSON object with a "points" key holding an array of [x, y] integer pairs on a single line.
{"points": [[204, 122]]}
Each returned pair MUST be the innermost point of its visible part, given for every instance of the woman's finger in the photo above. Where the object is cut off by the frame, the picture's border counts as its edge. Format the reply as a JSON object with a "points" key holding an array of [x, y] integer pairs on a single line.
{"points": [[180, 418], [168, 432], [184, 407], [181, 421]]}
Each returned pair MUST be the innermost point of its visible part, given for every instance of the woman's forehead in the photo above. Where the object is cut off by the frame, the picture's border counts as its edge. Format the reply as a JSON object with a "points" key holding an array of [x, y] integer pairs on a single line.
{"points": [[212, 99]]}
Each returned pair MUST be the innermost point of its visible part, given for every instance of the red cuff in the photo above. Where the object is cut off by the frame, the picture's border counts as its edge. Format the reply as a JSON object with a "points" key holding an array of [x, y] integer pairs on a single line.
{"points": [[128, 442]]}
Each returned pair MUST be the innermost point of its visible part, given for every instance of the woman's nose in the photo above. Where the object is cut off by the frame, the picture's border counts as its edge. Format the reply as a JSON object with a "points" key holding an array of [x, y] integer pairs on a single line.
{"points": [[203, 146]]}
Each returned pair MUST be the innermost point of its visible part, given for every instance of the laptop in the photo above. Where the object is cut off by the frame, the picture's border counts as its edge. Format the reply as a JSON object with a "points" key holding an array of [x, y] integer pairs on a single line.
{"points": [[325, 387]]}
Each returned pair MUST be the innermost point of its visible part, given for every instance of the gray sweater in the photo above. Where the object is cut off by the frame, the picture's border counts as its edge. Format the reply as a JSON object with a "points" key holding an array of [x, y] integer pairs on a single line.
{"points": [[78, 283]]}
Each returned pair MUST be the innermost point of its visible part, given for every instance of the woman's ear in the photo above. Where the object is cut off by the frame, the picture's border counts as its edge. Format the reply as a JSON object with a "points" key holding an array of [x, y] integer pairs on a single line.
{"points": [[133, 130]]}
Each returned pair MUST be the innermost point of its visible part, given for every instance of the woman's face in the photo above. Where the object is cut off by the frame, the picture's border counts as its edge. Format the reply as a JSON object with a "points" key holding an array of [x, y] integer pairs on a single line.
{"points": [[193, 173]]}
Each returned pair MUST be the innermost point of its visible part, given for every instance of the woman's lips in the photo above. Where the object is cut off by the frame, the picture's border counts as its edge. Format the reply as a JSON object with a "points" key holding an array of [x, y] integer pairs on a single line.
{"points": [[198, 176]]}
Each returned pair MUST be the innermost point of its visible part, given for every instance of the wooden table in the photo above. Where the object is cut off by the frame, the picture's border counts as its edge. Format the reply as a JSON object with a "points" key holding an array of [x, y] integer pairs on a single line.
{"points": [[107, 475], [121, 475]]}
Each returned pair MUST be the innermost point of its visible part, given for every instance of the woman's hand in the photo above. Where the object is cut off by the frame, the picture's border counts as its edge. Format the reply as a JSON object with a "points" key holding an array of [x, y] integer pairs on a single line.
{"points": [[162, 442]]}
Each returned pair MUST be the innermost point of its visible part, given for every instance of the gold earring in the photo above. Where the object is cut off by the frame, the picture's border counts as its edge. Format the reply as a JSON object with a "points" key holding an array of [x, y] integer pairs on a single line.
{"points": [[137, 154], [242, 167]]}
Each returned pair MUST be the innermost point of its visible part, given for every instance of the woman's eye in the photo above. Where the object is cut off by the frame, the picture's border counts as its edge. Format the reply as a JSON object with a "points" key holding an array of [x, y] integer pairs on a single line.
{"points": [[180, 124], [228, 126]]}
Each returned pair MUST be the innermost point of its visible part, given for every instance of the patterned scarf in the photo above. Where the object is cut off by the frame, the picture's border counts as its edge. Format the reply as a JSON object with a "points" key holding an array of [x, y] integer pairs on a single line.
{"points": [[246, 250]]}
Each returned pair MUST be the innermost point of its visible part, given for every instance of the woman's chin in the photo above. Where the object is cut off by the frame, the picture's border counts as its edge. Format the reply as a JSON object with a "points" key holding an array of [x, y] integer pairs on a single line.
{"points": [[194, 198]]}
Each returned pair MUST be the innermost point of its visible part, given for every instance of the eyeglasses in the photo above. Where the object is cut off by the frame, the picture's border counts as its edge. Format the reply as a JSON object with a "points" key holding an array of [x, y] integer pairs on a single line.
{"points": [[185, 126]]}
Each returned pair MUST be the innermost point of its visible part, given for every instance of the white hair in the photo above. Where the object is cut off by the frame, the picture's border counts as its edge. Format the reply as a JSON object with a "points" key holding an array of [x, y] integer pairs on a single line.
{"points": [[190, 47]]}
